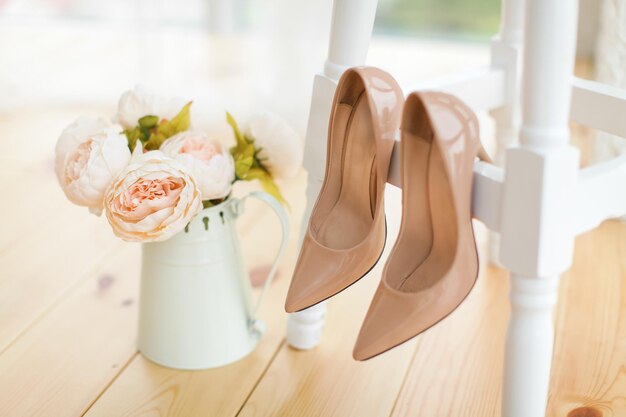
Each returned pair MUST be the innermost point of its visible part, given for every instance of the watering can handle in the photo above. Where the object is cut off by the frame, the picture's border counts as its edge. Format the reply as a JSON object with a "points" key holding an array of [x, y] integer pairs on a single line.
{"points": [[284, 223]]}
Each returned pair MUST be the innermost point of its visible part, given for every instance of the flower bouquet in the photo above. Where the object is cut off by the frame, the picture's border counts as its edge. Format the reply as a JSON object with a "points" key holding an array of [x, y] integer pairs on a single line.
{"points": [[164, 183], [151, 172]]}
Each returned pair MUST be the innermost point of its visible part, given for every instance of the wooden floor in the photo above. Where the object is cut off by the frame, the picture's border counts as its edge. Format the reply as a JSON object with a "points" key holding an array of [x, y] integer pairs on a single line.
{"points": [[68, 315]]}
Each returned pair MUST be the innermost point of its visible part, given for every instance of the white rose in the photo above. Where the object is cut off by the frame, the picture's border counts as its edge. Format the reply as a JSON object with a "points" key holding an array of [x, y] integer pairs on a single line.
{"points": [[89, 154], [139, 102], [280, 146], [210, 163], [152, 199]]}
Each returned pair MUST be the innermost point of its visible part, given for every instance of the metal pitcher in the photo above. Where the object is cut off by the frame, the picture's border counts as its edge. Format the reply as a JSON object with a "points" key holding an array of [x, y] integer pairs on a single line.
{"points": [[196, 308]]}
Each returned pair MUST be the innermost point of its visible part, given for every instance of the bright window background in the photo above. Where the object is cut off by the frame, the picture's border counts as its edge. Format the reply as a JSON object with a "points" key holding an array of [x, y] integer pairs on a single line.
{"points": [[77, 56], [452, 19]]}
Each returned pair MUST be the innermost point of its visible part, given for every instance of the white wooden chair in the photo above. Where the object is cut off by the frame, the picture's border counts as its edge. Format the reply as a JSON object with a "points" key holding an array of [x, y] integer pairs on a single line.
{"points": [[540, 202]]}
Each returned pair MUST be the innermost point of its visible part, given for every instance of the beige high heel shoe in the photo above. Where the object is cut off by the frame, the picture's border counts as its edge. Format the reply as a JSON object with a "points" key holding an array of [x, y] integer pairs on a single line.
{"points": [[347, 231], [434, 263]]}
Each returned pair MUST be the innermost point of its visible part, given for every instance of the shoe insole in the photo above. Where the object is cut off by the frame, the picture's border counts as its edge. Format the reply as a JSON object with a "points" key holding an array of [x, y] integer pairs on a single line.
{"points": [[349, 216], [426, 244], [442, 222], [415, 240]]}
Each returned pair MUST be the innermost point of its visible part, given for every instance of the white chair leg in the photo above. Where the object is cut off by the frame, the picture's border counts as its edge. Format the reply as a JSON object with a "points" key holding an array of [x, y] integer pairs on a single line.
{"points": [[539, 191], [304, 328], [529, 346], [351, 30], [506, 52]]}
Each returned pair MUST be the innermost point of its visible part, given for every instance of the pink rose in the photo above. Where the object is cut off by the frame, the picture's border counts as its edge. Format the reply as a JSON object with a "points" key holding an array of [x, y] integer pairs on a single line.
{"points": [[89, 154], [210, 163], [152, 199]]}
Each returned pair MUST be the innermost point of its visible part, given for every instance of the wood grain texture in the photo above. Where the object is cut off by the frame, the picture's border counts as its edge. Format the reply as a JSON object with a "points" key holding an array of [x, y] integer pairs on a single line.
{"points": [[148, 389], [63, 362], [35, 267], [39, 228], [69, 358], [457, 369], [589, 367]]}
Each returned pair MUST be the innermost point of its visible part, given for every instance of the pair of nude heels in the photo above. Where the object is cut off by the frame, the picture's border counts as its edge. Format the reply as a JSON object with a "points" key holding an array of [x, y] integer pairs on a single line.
{"points": [[434, 262]]}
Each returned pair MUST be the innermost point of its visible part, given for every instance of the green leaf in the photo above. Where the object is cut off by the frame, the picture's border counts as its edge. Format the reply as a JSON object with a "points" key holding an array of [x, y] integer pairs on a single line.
{"points": [[133, 135], [182, 120], [154, 142], [239, 138], [267, 183], [168, 128], [148, 122], [248, 166], [165, 129], [242, 166], [244, 159]]}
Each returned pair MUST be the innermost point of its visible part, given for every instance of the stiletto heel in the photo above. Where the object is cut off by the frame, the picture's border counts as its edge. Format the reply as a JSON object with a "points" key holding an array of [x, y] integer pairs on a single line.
{"points": [[347, 231], [434, 263]]}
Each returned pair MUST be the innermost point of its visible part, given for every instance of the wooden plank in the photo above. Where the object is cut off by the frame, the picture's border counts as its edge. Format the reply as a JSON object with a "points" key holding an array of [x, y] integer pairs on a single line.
{"points": [[40, 267], [327, 381], [40, 229], [27, 170], [30, 186], [29, 134], [145, 388], [457, 369], [588, 371], [60, 365]]}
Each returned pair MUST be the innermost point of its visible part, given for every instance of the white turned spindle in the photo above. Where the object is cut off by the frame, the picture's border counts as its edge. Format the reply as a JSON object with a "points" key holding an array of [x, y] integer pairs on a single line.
{"points": [[506, 50], [350, 34], [550, 41], [529, 337], [537, 224], [506, 53]]}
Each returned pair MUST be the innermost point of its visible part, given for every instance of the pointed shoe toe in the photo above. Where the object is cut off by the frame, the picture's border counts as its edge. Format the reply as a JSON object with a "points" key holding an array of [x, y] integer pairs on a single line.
{"points": [[310, 283], [392, 319], [378, 331], [394, 316]]}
